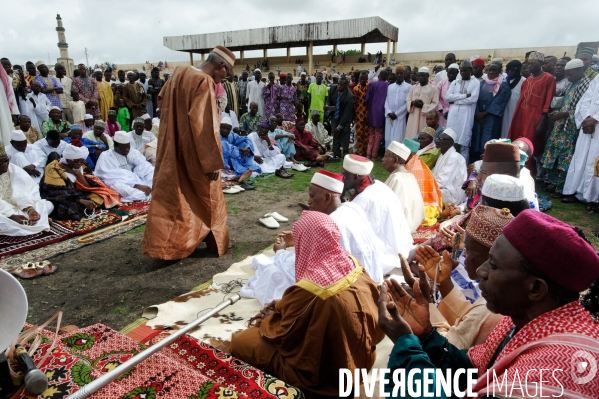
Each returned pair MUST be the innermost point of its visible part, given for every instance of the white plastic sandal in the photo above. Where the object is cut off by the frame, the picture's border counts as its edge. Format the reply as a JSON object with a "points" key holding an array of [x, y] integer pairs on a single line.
{"points": [[270, 222], [276, 216]]}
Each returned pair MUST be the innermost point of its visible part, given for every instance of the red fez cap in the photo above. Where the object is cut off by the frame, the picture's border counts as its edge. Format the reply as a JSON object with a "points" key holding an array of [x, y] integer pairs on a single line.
{"points": [[478, 62], [501, 152], [528, 142], [302, 120], [283, 76], [555, 249]]}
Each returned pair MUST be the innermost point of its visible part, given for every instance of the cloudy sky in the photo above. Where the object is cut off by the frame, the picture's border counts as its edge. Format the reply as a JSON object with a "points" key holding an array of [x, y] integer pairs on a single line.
{"points": [[128, 31]]}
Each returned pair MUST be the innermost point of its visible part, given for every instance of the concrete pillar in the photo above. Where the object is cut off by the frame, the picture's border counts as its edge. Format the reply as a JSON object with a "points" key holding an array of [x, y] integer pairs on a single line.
{"points": [[203, 56], [310, 61], [242, 56], [388, 52], [190, 58], [265, 53], [335, 52], [363, 49], [394, 48], [288, 54]]}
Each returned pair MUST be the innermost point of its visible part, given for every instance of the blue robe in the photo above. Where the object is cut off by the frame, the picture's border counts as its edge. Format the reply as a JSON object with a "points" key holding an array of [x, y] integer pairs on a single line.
{"points": [[91, 146], [232, 157], [284, 144], [494, 106]]}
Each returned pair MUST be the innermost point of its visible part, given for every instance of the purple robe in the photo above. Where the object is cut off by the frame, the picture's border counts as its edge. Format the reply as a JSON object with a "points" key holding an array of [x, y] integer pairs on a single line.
{"points": [[376, 94]]}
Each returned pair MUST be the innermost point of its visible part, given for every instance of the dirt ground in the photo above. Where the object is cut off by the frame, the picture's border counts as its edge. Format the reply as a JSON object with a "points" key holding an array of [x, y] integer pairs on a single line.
{"points": [[111, 282]]}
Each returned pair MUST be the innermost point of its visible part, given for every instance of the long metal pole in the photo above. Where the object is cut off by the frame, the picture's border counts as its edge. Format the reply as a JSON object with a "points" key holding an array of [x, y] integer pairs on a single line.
{"points": [[94, 386]]}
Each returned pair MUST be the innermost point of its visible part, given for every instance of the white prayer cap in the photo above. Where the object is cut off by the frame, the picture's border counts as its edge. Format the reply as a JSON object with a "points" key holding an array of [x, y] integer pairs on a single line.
{"points": [[140, 71], [328, 180], [357, 164], [226, 121], [130, 73], [55, 107], [400, 150], [575, 63], [451, 133], [497, 61], [17, 135], [423, 70], [121, 137], [98, 70], [87, 116], [453, 66], [145, 116], [303, 73], [257, 70], [503, 188], [72, 152]]}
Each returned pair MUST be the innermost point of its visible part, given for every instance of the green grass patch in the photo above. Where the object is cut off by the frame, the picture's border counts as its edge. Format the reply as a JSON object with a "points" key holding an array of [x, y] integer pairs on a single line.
{"points": [[232, 210], [138, 229], [119, 310]]}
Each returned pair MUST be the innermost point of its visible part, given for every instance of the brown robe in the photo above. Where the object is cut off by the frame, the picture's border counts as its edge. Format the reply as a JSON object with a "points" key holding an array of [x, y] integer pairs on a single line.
{"points": [[132, 96], [311, 338], [186, 206]]}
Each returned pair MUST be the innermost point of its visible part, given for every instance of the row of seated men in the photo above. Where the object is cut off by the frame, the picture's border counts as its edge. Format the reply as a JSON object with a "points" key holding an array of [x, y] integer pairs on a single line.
{"points": [[68, 179]]}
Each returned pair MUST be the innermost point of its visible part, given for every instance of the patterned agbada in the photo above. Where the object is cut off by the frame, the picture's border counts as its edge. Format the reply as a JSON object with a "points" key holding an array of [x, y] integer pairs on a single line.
{"points": [[50, 82], [562, 140], [233, 96], [431, 195], [187, 206], [134, 94], [326, 321], [59, 190], [287, 103], [88, 90], [249, 123], [361, 118], [305, 137], [271, 101]]}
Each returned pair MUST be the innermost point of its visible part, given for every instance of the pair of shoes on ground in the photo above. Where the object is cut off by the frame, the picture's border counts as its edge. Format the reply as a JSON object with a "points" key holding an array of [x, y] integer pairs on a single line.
{"points": [[271, 220], [282, 173], [33, 269], [333, 158], [236, 189]]}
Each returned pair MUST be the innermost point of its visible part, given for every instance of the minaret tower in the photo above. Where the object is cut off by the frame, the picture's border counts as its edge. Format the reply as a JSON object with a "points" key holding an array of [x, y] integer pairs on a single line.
{"points": [[64, 48]]}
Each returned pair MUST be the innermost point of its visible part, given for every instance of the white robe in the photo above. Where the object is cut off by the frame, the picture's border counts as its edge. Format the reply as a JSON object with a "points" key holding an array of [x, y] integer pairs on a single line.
{"points": [[122, 174], [395, 130], [31, 156], [510, 108], [581, 179], [272, 159], [17, 192], [254, 95], [138, 142], [274, 275], [384, 212], [6, 112], [405, 186], [461, 112], [450, 173], [41, 110], [44, 147]]}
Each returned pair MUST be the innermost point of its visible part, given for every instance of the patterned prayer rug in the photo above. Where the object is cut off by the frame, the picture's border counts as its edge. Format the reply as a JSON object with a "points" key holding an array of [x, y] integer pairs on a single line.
{"points": [[186, 369], [135, 209], [16, 245], [423, 233], [85, 226]]}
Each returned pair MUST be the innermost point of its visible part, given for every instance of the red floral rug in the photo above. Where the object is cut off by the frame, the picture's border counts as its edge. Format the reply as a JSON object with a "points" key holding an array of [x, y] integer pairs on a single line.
{"points": [[187, 369], [135, 209], [85, 226], [423, 233], [16, 245]]}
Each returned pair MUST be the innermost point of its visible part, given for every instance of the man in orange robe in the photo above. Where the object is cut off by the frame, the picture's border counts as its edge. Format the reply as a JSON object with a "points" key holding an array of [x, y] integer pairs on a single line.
{"points": [[188, 205]]}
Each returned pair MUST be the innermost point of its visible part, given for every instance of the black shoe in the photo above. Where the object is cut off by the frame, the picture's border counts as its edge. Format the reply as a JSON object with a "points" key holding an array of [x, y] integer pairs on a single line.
{"points": [[333, 159], [246, 186]]}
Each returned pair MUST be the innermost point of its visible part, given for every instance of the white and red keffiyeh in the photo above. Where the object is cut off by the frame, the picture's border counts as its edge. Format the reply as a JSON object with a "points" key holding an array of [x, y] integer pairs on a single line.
{"points": [[318, 255]]}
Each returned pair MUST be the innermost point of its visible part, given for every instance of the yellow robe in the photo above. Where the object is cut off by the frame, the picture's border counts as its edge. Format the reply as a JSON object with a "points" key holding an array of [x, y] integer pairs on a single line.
{"points": [[106, 97]]}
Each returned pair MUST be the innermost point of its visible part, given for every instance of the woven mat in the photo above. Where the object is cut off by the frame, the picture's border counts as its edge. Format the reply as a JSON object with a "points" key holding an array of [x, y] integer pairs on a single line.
{"points": [[84, 226], [71, 244], [16, 245], [135, 209]]}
